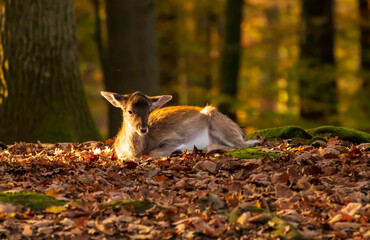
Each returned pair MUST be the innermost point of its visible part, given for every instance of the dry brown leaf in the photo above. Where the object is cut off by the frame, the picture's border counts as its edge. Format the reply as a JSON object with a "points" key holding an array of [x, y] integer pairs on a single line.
{"points": [[160, 178], [7, 208], [27, 231], [201, 226], [282, 191], [346, 226], [329, 153]]}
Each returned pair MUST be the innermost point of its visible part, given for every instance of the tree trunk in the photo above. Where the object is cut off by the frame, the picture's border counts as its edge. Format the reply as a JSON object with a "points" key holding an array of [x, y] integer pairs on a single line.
{"points": [[99, 38], [132, 51], [39, 64], [364, 9], [318, 90], [230, 59], [168, 44], [270, 73]]}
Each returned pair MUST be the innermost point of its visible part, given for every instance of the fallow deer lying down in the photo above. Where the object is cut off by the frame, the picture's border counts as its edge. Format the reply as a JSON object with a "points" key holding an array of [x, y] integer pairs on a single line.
{"points": [[150, 130]]}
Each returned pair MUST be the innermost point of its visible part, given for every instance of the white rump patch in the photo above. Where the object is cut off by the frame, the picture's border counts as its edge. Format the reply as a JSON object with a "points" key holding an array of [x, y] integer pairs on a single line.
{"points": [[201, 140]]}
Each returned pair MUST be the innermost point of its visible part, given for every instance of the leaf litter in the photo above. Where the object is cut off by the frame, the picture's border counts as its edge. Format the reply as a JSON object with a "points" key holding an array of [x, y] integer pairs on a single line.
{"points": [[279, 190]]}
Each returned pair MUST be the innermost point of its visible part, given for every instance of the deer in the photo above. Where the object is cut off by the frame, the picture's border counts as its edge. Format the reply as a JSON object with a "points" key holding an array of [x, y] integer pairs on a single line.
{"points": [[147, 129]]}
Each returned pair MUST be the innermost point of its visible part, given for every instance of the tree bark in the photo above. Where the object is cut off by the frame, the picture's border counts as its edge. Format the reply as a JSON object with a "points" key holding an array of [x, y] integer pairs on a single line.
{"points": [[132, 51], [39, 64], [99, 38], [230, 60], [364, 10], [318, 90], [168, 45], [270, 76]]}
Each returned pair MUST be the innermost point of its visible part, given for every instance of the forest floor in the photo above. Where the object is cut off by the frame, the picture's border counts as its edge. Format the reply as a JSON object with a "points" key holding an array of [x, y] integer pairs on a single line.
{"points": [[279, 190]]}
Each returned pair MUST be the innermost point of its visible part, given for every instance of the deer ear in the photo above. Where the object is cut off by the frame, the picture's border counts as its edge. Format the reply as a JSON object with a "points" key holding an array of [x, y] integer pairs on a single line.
{"points": [[114, 98], [159, 101]]}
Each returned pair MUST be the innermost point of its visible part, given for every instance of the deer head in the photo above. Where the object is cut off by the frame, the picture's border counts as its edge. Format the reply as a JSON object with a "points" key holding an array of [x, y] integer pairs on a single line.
{"points": [[136, 108]]}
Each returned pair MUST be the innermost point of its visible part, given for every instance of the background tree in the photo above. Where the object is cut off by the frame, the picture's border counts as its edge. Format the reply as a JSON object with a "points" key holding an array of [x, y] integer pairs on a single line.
{"points": [[132, 51], [190, 34], [39, 64], [230, 60], [318, 91], [168, 46], [364, 10]]}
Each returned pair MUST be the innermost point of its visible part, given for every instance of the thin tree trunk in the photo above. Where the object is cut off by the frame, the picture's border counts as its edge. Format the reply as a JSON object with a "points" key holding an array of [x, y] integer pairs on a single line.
{"points": [[270, 75], [132, 51], [364, 9], [230, 60], [39, 62], [99, 38], [168, 44], [318, 90]]}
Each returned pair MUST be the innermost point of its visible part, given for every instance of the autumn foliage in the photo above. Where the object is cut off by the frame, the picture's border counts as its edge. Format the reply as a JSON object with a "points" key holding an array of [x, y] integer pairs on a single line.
{"points": [[317, 191]]}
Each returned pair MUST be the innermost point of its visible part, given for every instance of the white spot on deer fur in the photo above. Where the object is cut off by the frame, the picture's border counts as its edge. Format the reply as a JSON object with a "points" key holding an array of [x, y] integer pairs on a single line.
{"points": [[201, 140]]}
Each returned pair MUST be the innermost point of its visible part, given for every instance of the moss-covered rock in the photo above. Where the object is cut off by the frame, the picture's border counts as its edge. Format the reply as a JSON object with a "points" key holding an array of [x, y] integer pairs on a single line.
{"points": [[316, 138], [288, 132], [253, 152], [351, 135], [35, 201], [293, 132]]}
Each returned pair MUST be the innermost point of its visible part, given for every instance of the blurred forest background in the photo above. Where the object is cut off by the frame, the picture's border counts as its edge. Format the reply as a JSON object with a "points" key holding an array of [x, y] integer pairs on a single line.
{"points": [[190, 39], [265, 63]]}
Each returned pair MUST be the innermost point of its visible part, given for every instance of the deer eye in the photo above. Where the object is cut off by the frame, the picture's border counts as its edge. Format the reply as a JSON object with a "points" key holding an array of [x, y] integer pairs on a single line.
{"points": [[129, 112]]}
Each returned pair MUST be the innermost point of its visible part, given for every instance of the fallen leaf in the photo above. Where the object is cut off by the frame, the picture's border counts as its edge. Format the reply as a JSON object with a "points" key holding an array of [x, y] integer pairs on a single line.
{"points": [[282, 191], [336, 218], [160, 178], [55, 209], [47, 231], [52, 192], [346, 226], [67, 222], [244, 218], [103, 229], [351, 209], [81, 222], [27, 231], [329, 153], [7, 208]]}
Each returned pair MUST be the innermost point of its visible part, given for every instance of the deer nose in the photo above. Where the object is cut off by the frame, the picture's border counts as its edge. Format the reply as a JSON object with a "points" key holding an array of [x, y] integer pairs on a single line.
{"points": [[143, 130]]}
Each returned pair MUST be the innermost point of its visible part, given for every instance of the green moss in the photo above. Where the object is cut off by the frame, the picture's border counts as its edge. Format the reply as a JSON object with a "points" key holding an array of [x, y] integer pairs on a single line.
{"points": [[139, 206], [293, 132], [315, 138], [288, 132], [281, 227], [238, 211], [253, 152], [35, 201], [351, 135], [284, 229]]}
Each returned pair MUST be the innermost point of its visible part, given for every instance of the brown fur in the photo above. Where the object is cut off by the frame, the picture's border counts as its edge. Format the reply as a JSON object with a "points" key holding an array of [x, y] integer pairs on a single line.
{"points": [[169, 127]]}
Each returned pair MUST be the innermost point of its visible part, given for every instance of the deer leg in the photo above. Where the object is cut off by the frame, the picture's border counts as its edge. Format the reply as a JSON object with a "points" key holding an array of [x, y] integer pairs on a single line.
{"points": [[164, 150], [226, 132]]}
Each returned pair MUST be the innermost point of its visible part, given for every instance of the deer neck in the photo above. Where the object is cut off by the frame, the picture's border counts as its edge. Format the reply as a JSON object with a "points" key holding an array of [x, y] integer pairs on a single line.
{"points": [[129, 142]]}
